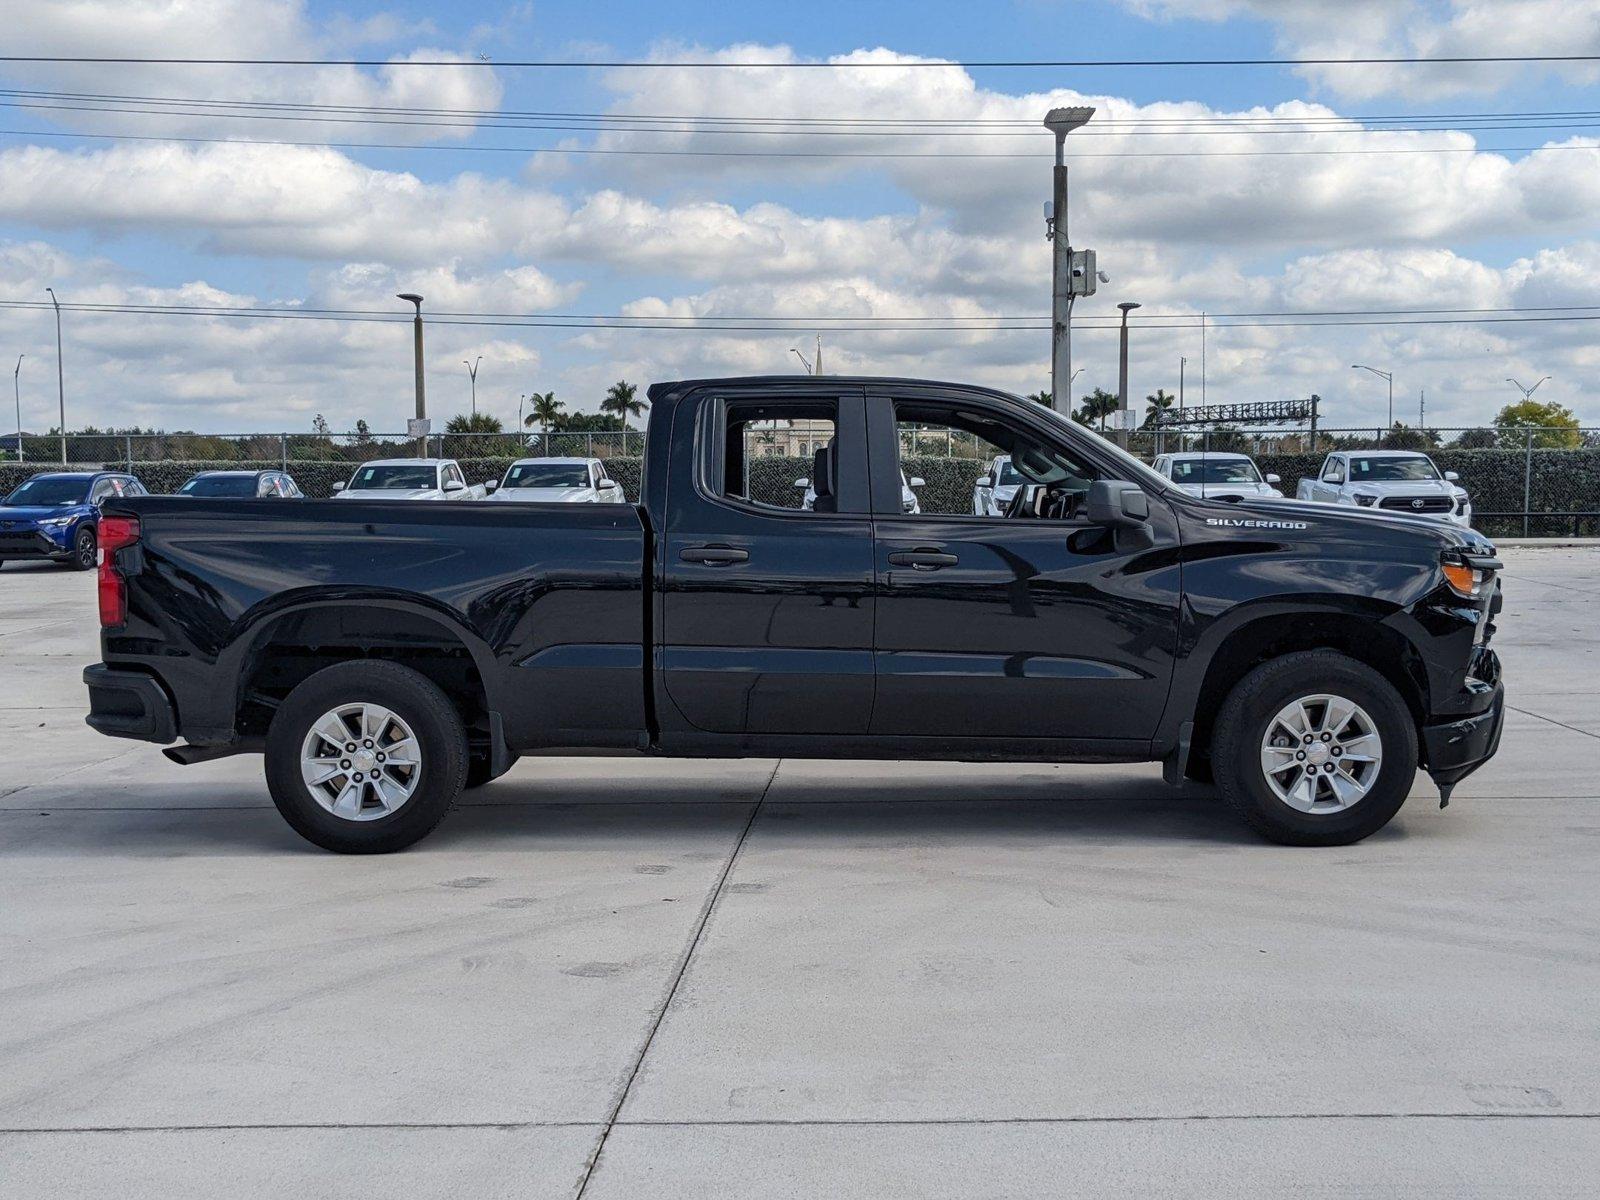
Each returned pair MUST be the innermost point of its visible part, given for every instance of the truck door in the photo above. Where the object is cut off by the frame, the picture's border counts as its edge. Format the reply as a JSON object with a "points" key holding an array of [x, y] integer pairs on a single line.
{"points": [[1013, 626], [767, 597]]}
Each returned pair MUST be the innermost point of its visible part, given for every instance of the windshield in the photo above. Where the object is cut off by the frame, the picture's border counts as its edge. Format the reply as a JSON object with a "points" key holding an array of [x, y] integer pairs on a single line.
{"points": [[395, 477], [1215, 470], [1383, 470], [219, 485], [547, 475], [50, 491]]}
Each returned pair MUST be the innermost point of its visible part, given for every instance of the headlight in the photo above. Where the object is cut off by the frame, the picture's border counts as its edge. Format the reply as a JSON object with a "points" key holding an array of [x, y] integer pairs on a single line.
{"points": [[55, 522], [1366, 501], [1464, 581], [1463, 502]]}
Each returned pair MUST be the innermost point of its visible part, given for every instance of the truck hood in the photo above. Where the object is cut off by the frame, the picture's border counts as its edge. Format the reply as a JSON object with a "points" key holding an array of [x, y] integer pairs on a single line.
{"points": [[388, 494], [546, 495], [1405, 487], [1230, 490], [1314, 516], [33, 513]]}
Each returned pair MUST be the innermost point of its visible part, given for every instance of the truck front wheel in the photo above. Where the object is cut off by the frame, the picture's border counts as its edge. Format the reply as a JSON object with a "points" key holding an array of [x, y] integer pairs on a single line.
{"points": [[366, 757], [1315, 749]]}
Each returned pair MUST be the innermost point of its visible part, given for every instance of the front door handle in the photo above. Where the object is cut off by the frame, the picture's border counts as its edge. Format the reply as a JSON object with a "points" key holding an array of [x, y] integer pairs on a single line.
{"points": [[922, 559], [714, 556]]}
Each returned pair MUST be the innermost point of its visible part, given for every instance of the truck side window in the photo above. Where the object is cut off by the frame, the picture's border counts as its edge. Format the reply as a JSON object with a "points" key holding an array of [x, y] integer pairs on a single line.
{"points": [[781, 454], [959, 461]]}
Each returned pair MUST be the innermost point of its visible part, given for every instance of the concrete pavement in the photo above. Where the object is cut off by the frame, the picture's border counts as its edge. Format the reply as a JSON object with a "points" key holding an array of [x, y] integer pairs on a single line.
{"points": [[797, 979]]}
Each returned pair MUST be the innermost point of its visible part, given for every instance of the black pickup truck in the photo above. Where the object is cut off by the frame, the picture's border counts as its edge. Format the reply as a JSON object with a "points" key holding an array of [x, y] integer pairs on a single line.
{"points": [[383, 655]]}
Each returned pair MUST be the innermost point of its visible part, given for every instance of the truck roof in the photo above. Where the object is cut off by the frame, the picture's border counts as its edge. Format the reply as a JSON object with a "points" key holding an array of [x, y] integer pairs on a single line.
{"points": [[1386, 453], [821, 384], [405, 462], [1197, 454], [555, 458]]}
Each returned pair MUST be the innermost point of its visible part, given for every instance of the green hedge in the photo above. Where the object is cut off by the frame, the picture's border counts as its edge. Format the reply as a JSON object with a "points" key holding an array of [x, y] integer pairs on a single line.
{"points": [[1562, 480]]}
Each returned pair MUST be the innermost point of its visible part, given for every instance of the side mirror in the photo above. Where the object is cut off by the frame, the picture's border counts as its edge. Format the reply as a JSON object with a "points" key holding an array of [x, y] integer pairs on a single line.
{"points": [[985, 481], [453, 485], [1451, 476], [916, 481], [338, 487], [1271, 478], [1117, 504], [489, 485], [802, 484]]}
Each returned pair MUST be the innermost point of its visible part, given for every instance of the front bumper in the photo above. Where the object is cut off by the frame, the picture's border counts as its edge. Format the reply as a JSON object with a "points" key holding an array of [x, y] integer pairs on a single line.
{"points": [[129, 704], [35, 544], [1457, 748]]}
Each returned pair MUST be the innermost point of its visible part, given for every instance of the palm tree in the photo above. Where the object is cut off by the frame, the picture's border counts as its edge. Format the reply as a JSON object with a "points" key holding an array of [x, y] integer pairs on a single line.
{"points": [[1158, 402], [1097, 406], [620, 402], [546, 411], [1043, 398]]}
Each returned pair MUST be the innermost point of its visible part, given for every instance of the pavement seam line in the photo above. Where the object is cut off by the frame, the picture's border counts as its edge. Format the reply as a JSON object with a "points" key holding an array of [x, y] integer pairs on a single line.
{"points": [[677, 979], [1528, 713]]}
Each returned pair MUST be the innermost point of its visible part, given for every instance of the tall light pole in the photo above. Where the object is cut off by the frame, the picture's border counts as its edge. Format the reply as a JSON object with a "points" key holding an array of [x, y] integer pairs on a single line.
{"points": [[1126, 306], [472, 370], [1062, 121], [61, 379], [1388, 378], [1182, 363], [1527, 392], [16, 389], [520, 401], [416, 341]]}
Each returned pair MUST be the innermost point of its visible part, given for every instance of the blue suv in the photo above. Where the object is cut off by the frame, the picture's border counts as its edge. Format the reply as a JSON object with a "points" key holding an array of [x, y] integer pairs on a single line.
{"points": [[56, 515]]}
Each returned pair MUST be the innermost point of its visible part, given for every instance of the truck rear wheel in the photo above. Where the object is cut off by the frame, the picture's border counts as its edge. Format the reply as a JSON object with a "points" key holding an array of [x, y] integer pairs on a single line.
{"points": [[366, 757], [1315, 749]]}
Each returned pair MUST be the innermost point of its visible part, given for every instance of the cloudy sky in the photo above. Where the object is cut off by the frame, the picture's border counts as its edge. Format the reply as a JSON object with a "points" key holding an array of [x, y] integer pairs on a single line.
{"points": [[841, 195]]}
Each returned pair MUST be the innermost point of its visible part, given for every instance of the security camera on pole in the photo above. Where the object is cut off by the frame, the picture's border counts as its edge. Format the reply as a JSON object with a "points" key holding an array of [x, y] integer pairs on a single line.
{"points": [[1072, 273]]}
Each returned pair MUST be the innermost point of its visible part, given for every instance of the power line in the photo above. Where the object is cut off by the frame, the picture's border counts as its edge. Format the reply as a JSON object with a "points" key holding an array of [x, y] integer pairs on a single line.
{"points": [[484, 62], [593, 151], [789, 325]]}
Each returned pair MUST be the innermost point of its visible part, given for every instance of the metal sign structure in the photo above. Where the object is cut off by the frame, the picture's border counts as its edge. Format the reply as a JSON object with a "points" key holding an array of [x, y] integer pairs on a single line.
{"points": [[1267, 412]]}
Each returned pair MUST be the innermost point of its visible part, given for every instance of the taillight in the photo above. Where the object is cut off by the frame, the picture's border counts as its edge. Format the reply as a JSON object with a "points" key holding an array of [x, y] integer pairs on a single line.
{"points": [[115, 533]]}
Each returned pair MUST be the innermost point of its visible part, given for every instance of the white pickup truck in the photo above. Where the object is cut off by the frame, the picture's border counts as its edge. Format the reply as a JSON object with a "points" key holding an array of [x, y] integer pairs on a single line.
{"points": [[559, 481], [411, 479], [1400, 481], [1217, 476]]}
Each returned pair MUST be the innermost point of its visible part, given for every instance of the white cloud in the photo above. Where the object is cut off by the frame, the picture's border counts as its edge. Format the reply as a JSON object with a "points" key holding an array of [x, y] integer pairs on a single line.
{"points": [[1405, 28]]}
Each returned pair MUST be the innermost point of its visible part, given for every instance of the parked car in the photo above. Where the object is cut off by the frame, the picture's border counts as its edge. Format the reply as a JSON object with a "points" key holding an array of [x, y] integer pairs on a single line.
{"points": [[994, 489], [1309, 658], [1390, 481], [242, 485], [411, 479], [559, 481], [55, 515], [908, 496], [1218, 476]]}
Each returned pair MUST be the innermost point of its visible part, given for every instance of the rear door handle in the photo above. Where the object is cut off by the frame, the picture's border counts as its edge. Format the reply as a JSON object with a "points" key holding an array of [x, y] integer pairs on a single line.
{"points": [[714, 556], [923, 559]]}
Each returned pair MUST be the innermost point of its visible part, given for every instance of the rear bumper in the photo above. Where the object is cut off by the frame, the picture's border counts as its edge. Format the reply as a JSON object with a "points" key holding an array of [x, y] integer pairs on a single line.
{"points": [[1457, 748], [129, 704]]}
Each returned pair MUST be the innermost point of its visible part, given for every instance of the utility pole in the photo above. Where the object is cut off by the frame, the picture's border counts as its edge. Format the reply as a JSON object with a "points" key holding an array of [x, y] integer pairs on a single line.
{"points": [[1202, 360], [1182, 363], [1388, 377], [1123, 418], [16, 389], [416, 341], [472, 370], [818, 360], [61, 379], [1422, 407], [1066, 284]]}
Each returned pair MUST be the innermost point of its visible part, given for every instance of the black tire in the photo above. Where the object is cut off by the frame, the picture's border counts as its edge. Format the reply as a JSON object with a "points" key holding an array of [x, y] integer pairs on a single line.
{"points": [[412, 697], [83, 549], [1243, 722]]}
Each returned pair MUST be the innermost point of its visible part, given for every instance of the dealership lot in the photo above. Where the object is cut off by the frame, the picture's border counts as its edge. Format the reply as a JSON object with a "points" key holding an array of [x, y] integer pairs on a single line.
{"points": [[796, 978]]}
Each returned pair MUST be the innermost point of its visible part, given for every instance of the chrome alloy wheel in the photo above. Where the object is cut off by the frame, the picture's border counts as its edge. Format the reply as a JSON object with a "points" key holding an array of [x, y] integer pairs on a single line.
{"points": [[360, 762], [1321, 754]]}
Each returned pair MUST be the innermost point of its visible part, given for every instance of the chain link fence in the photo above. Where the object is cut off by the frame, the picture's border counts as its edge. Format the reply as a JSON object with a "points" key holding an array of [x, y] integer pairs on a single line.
{"points": [[1527, 481]]}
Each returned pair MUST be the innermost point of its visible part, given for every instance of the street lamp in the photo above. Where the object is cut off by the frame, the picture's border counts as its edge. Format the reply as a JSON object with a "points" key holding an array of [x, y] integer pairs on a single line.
{"points": [[1062, 121], [422, 402], [61, 384], [16, 388], [1388, 378], [1123, 421], [472, 370], [1527, 392]]}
